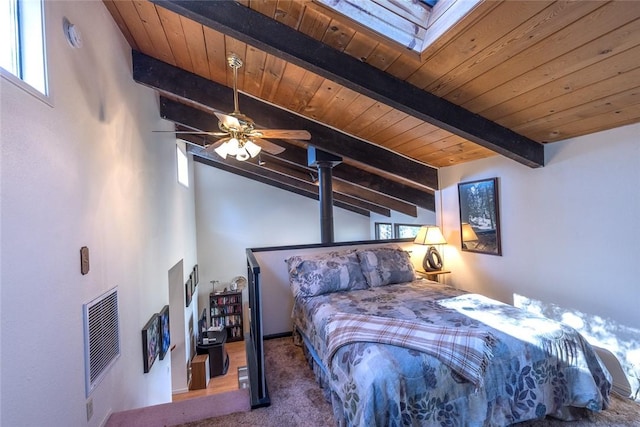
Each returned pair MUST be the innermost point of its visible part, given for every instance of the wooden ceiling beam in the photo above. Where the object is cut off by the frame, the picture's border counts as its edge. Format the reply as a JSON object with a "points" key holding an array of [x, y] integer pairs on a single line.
{"points": [[282, 179], [193, 118], [422, 198], [340, 187], [273, 182], [345, 192], [286, 177], [193, 89], [363, 179], [273, 37], [375, 202]]}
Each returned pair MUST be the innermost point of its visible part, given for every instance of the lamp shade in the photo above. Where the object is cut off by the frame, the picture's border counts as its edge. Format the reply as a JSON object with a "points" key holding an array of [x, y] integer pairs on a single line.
{"points": [[242, 155], [468, 235], [430, 235], [222, 150], [252, 148], [233, 146]]}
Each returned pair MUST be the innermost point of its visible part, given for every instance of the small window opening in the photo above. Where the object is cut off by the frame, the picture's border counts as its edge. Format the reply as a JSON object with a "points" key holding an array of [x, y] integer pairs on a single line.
{"points": [[22, 51], [183, 163]]}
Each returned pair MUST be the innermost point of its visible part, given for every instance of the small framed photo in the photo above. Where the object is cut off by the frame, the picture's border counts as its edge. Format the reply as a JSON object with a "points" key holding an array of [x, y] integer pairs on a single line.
{"points": [[150, 342], [196, 275], [188, 292], [165, 336]]}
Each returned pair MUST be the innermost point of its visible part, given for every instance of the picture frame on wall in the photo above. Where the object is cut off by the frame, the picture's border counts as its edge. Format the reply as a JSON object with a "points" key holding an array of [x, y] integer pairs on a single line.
{"points": [[188, 292], [165, 335], [480, 216], [150, 342], [196, 275]]}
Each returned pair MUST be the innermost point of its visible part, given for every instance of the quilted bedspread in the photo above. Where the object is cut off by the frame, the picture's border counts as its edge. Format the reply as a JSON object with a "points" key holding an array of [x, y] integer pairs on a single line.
{"points": [[538, 367]]}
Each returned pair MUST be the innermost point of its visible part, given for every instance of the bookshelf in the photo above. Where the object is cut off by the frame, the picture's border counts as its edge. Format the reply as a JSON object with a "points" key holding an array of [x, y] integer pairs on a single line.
{"points": [[226, 312]]}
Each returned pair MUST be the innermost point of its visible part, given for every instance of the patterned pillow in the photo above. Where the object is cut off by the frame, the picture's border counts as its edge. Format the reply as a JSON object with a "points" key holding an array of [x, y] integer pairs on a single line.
{"points": [[386, 266], [318, 274]]}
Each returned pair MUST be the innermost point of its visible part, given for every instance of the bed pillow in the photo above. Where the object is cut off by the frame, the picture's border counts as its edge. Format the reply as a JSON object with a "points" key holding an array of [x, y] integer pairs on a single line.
{"points": [[386, 266], [311, 275]]}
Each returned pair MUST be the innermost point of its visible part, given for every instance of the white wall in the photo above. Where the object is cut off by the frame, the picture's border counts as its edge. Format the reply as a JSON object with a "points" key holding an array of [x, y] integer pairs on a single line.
{"points": [[570, 230], [235, 213], [85, 171]]}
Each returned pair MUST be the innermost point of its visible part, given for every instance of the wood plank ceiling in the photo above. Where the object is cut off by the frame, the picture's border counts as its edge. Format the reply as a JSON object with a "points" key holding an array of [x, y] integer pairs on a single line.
{"points": [[503, 79]]}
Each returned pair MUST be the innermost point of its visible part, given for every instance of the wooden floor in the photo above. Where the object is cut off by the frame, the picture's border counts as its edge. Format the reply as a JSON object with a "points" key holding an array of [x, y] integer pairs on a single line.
{"points": [[221, 383]]}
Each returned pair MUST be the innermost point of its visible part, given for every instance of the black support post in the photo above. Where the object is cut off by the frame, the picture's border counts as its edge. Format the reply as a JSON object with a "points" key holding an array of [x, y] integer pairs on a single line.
{"points": [[324, 162]]}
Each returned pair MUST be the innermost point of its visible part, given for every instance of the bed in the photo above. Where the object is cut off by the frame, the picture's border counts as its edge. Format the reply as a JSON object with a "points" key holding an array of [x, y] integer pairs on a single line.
{"points": [[390, 349]]}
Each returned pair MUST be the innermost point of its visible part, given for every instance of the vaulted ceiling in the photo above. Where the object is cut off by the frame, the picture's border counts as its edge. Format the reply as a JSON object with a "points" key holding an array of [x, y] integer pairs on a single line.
{"points": [[494, 78]]}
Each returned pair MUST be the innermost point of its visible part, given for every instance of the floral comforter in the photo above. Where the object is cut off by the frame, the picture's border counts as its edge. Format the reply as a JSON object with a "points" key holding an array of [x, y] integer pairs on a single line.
{"points": [[538, 367]]}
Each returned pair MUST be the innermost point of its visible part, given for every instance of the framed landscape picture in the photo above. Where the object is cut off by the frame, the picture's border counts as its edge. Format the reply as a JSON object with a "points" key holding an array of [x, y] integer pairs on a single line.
{"points": [[480, 216], [150, 342], [165, 336]]}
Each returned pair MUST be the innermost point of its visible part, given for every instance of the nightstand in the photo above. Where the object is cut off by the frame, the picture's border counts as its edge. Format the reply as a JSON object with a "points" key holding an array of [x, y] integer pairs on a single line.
{"points": [[199, 372], [432, 275]]}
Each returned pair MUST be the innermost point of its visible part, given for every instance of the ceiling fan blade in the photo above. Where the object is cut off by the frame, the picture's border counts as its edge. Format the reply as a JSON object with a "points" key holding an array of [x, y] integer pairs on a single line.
{"points": [[268, 146], [228, 121], [281, 134]]}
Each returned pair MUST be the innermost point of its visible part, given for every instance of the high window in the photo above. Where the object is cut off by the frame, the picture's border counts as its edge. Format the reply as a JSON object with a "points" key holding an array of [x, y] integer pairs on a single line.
{"points": [[22, 50], [183, 163], [386, 230]]}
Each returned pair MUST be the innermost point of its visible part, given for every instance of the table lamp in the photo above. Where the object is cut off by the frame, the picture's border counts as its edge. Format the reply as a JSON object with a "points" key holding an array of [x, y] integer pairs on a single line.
{"points": [[431, 235]]}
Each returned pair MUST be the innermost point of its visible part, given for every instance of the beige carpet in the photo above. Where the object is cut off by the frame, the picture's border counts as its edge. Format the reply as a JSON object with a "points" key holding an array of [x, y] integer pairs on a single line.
{"points": [[296, 399]]}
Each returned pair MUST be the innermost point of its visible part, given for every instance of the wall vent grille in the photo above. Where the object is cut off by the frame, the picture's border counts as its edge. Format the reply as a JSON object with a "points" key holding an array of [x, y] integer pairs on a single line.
{"points": [[101, 337]]}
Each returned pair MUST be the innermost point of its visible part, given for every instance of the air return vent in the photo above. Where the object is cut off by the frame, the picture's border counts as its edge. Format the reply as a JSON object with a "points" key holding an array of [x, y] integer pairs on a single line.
{"points": [[101, 337]]}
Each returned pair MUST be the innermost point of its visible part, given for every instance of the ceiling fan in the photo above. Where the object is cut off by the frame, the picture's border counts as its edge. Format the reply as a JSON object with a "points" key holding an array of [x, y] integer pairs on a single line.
{"points": [[238, 134]]}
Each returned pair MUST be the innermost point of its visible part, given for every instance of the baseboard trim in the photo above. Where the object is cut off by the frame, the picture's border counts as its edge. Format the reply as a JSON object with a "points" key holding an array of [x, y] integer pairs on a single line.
{"points": [[280, 335], [180, 390]]}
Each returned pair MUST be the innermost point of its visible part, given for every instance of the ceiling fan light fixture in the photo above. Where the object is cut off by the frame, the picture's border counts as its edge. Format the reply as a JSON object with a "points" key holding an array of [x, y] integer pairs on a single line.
{"points": [[222, 150], [238, 135], [252, 148], [233, 146], [242, 155]]}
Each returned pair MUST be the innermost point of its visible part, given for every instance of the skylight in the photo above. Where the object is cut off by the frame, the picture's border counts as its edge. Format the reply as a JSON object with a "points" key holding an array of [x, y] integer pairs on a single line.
{"points": [[403, 21], [414, 24]]}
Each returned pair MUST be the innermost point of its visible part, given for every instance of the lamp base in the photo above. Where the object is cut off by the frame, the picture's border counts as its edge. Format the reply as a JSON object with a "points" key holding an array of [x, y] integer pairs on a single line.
{"points": [[432, 260]]}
